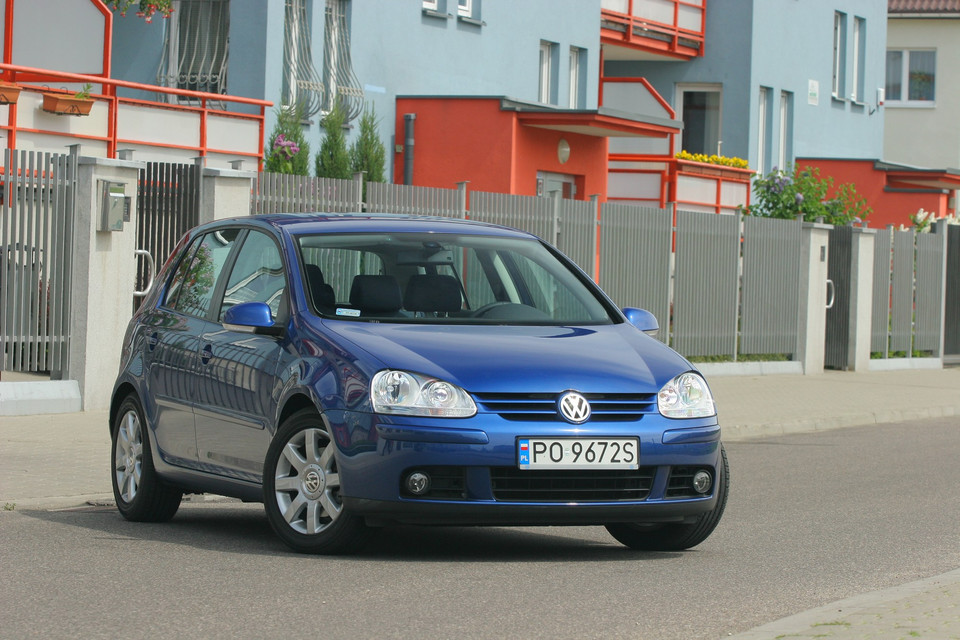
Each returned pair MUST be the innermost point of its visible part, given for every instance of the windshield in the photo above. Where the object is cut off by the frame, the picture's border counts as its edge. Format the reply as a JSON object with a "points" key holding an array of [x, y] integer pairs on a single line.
{"points": [[445, 279]]}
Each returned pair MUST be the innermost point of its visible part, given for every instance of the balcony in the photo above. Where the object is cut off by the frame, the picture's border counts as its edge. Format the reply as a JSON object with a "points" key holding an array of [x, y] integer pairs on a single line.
{"points": [[221, 130], [652, 29]]}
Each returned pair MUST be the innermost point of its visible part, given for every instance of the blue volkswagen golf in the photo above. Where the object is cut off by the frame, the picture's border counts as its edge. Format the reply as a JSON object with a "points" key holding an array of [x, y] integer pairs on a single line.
{"points": [[357, 371]]}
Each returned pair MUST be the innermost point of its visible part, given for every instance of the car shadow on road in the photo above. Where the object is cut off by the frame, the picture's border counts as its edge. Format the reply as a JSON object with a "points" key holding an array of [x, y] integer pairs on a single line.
{"points": [[243, 528]]}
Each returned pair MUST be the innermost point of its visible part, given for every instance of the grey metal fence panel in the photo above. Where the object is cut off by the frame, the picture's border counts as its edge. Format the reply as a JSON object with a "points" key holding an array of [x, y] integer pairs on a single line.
{"points": [[283, 193], [951, 321], [880, 313], [427, 201], [901, 301], [36, 242], [771, 286], [168, 205], [635, 259], [706, 284], [533, 214], [578, 233], [929, 292]]}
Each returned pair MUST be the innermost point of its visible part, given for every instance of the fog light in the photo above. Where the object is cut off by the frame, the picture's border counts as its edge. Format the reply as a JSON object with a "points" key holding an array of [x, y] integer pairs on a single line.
{"points": [[418, 483], [702, 481]]}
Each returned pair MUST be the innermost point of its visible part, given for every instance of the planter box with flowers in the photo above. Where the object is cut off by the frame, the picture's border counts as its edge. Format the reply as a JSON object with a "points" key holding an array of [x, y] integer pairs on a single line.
{"points": [[715, 166], [78, 104], [9, 92]]}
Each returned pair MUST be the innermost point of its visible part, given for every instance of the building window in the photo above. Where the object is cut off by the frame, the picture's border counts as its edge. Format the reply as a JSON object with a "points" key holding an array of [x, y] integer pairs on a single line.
{"points": [[465, 8], [301, 84], [431, 5], [578, 78], [839, 53], [700, 109], [195, 47], [547, 93], [785, 146], [763, 130], [859, 59], [911, 76]]}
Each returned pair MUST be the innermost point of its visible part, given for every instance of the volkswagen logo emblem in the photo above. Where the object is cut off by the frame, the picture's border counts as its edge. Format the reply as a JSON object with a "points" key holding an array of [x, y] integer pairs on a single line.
{"points": [[574, 407]]}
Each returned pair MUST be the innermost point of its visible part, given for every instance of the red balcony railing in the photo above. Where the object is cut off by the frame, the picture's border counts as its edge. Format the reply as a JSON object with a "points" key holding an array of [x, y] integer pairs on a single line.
{"points": [[652, 28], [150, 128]]}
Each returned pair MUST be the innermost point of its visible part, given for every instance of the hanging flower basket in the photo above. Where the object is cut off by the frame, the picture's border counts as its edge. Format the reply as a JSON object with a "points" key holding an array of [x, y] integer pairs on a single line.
{"points": [[9, 93], [714, 170], [65, 104]]}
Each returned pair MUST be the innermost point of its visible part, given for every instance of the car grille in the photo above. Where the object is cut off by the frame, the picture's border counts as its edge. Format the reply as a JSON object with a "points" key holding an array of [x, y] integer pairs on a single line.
{"points": [[514, 485], [542, 407]]}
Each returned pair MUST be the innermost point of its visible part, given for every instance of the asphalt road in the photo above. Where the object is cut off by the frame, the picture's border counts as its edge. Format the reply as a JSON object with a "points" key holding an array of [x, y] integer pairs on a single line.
{"points": [[811, 519]]}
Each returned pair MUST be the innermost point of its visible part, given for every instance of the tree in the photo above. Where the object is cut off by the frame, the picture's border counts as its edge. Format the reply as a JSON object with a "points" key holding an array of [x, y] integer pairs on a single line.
{"points": [[289, 151], [368, 153], [333, 159]]}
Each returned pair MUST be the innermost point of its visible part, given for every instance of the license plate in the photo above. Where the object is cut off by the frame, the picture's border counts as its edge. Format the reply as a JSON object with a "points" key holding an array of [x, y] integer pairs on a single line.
{"points": [[578, 453]]}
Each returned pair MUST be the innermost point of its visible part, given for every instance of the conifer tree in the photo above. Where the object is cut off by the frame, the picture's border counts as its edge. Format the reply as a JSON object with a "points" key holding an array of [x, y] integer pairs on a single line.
{"points": [[368, 153], [333, 159]]}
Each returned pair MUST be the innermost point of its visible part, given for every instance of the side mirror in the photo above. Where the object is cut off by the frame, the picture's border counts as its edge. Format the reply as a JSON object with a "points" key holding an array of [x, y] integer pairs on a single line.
{"points": [[251, 317], [643, 320]]}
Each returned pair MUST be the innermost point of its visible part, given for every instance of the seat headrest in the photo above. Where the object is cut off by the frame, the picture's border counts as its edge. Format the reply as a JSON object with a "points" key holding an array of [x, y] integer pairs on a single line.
{"points": [[432, 293], [376, 294]]}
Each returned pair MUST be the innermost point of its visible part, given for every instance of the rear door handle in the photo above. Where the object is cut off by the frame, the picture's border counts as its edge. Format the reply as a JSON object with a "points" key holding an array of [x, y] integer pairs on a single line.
{"points": [[206, 354]]}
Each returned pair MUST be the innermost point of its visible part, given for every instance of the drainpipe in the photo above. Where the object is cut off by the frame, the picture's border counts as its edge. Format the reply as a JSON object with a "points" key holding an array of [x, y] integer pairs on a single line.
{"points": [[408, 119]]}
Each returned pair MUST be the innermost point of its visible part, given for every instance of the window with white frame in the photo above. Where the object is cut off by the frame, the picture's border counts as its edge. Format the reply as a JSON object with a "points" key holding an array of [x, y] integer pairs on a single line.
{"points": [[839, 53], [465, 8], [700, 108], [548, 85], [578, 78], [431, 5], [763, 130], [911, 76], [859, 59], [785, 142]]}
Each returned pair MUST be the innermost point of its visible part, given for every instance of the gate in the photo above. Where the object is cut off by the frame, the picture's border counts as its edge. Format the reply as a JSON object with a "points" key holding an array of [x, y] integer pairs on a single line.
{"points": [[168, 205], [839, 281], [36, 240]]}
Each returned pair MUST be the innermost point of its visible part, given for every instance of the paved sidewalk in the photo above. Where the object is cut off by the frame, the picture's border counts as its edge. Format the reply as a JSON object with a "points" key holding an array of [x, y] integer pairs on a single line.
{"points": [[63, 460]]}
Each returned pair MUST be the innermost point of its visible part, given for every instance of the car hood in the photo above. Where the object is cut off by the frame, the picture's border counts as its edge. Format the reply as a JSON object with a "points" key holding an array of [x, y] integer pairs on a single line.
{"points": [[609, 358]]}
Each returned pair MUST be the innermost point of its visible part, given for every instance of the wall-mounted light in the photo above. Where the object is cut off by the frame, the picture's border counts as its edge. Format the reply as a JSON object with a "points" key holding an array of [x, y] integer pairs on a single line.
{"points": [[563, 151]]}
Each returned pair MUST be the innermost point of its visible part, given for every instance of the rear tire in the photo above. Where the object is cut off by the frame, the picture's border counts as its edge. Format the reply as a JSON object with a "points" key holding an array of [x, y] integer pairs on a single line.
{"points": [[676, 537], [140, 494], [301, 489]]}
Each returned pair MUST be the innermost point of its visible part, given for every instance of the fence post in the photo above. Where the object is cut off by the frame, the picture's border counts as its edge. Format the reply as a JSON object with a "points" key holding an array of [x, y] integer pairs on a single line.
{"points": [[358, 179], [462, 199], [104, 271], [813, 296], [861, 298], [225, 193]]}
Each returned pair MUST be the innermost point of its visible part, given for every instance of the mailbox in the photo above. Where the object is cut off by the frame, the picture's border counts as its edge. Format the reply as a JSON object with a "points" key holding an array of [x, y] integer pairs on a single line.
{"points": [[114, 206]]}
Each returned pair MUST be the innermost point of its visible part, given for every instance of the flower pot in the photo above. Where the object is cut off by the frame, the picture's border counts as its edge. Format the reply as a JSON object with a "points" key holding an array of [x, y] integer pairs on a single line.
{"points": [[9, 93], [63, 104]]}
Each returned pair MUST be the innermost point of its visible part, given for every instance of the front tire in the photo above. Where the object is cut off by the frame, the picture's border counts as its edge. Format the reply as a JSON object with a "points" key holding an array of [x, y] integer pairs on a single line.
{"points": [[140, 494], [301, 489], [676, 537]]}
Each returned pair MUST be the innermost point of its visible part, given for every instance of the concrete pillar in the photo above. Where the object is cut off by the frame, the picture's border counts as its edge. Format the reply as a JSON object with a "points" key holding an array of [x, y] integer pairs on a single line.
{"points": [[861, 298], [104, 269], [813, 296], [226, 194]]}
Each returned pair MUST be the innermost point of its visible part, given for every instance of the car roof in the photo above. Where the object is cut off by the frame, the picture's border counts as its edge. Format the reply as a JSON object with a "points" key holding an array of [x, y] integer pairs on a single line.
{"points": [[309, 223]]}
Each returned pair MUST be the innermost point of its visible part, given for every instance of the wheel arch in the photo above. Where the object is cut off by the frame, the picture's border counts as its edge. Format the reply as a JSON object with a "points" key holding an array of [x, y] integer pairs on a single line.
{"points": [[120, 394]]}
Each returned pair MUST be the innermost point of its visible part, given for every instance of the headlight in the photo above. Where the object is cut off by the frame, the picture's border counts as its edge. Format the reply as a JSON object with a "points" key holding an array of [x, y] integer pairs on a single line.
{"points": [[409, 394], [686, 396]]}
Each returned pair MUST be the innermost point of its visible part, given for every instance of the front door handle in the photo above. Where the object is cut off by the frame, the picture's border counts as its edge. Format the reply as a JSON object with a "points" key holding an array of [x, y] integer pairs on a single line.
{"points": [[206, 354]]}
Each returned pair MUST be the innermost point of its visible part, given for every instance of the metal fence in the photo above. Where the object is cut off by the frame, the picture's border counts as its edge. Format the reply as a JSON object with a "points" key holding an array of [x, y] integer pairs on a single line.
{"points": [[168, 205], [36, 242], [951, 321], [282, 193]]}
